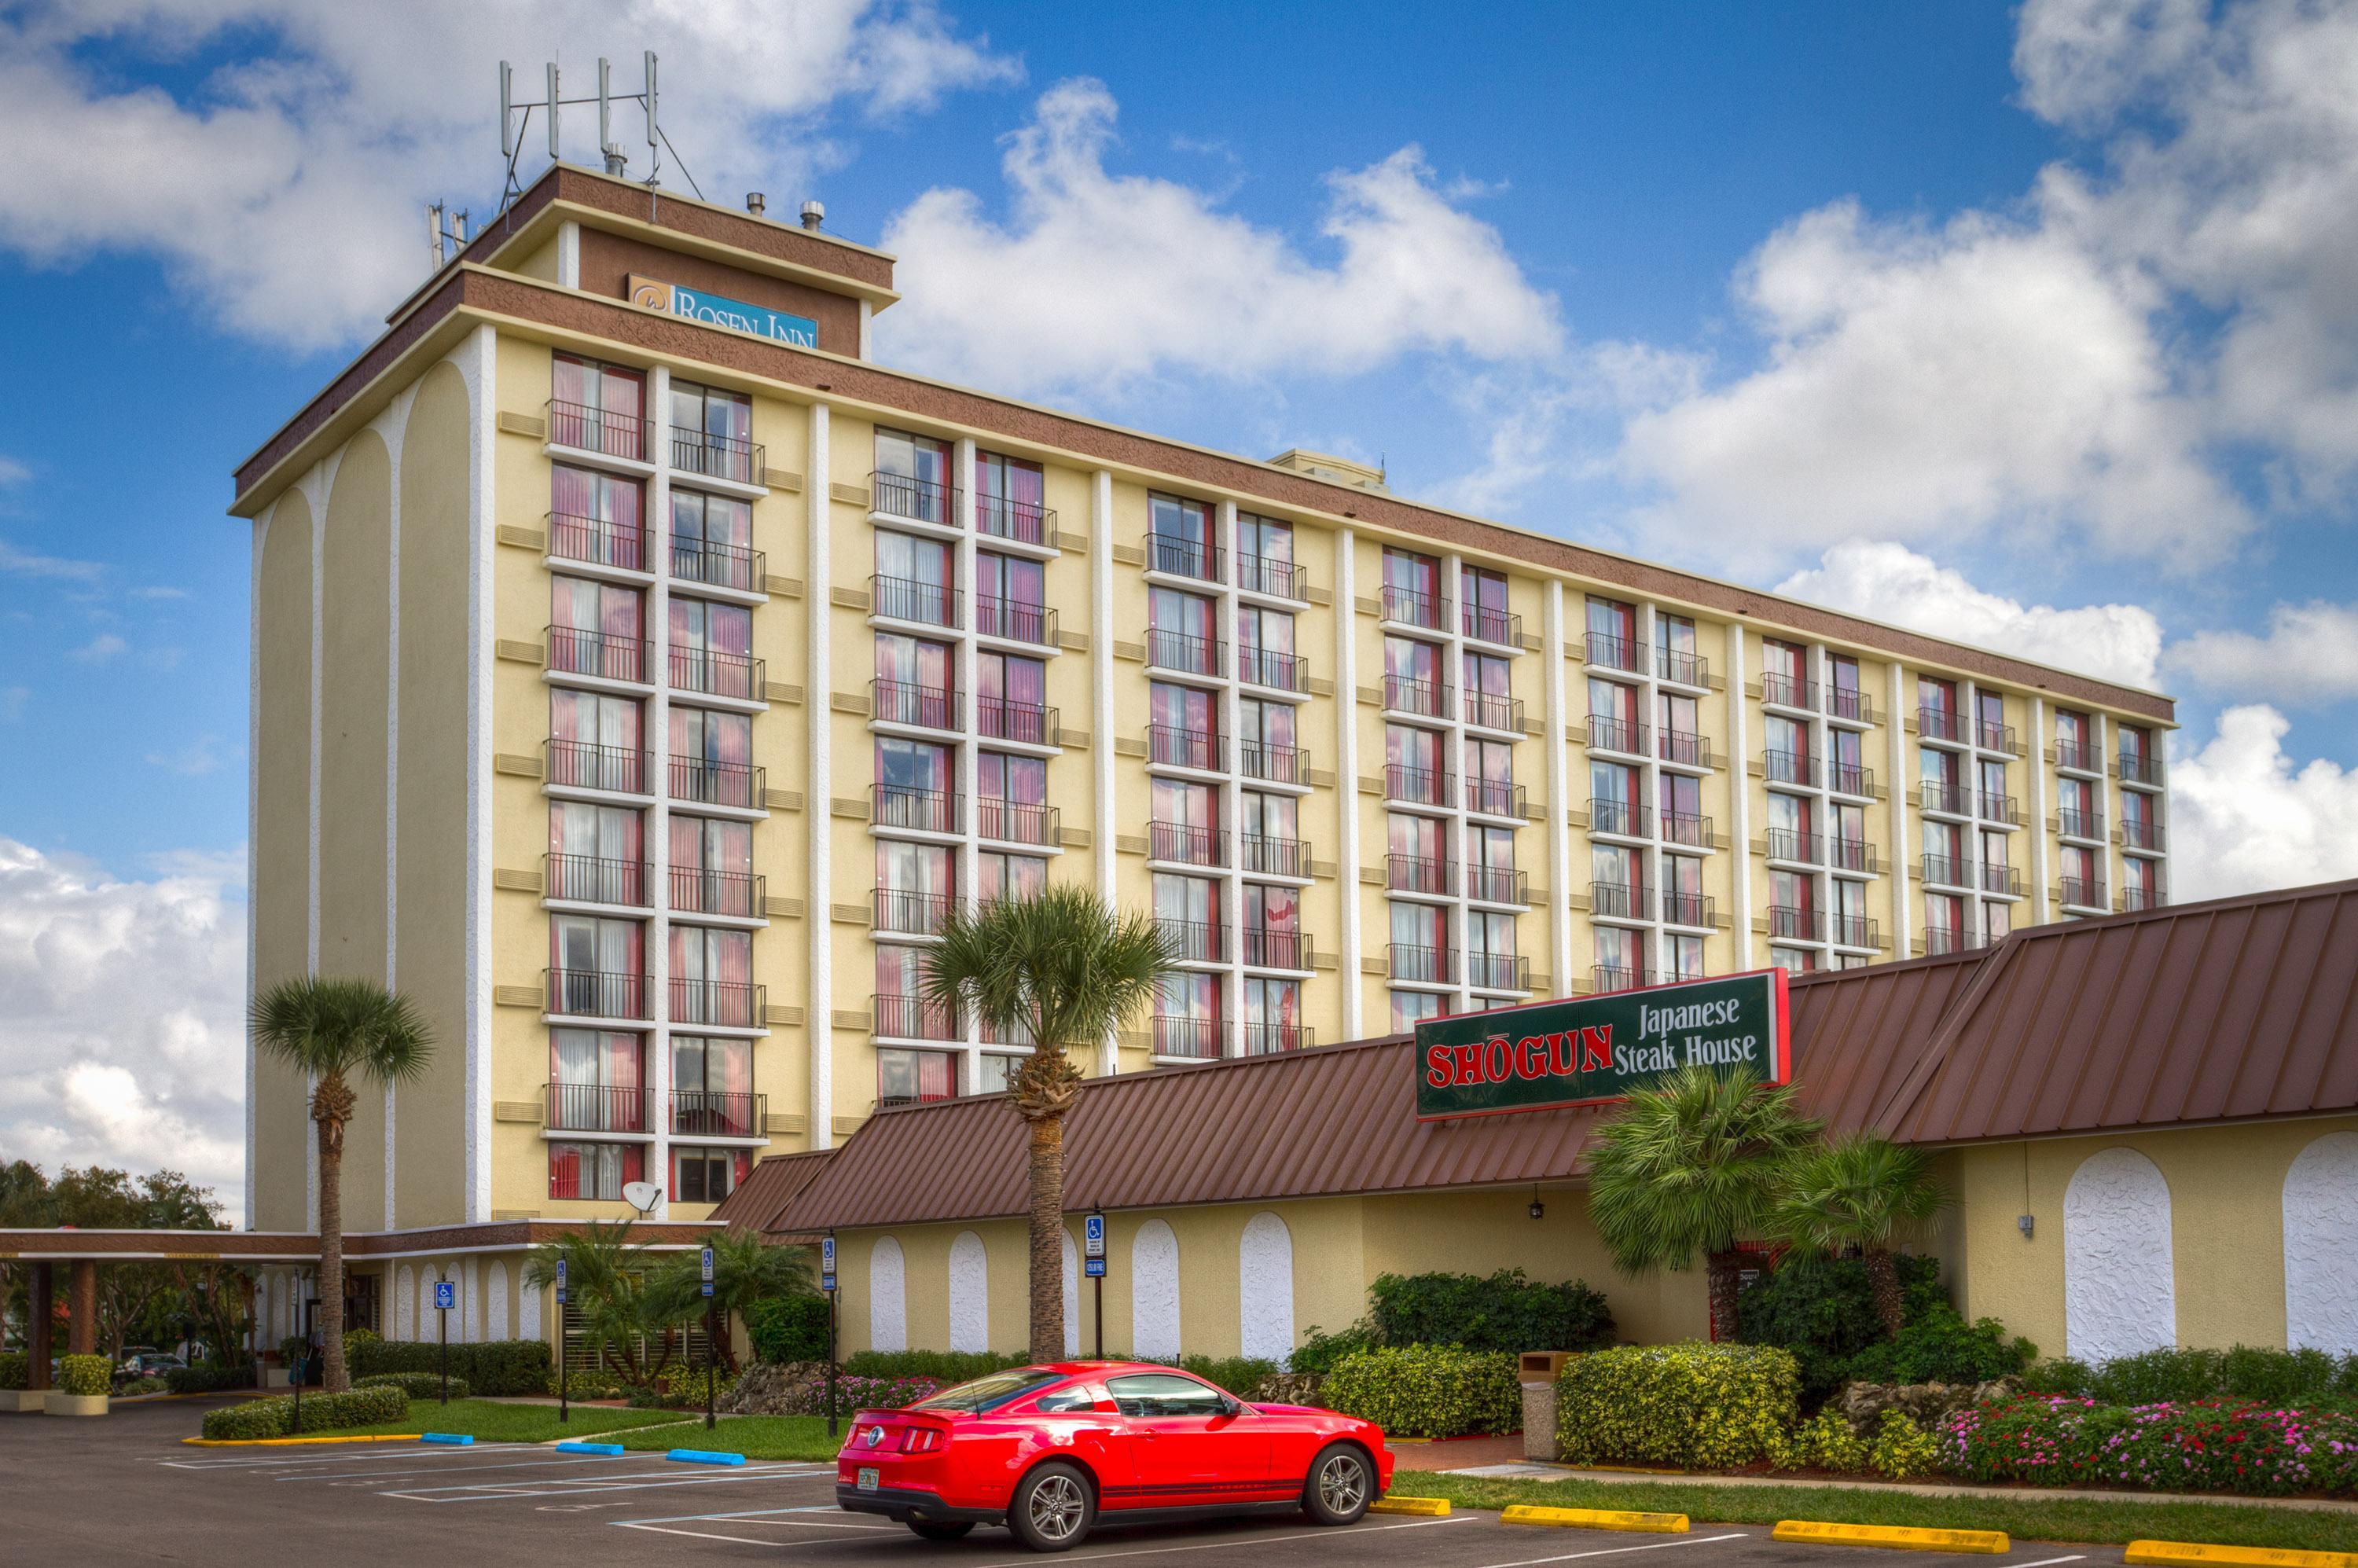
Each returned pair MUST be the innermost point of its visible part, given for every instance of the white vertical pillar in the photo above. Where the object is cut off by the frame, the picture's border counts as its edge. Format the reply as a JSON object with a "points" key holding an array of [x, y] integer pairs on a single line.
{"points": [[1739, 795], [2106, 809], [2038, 749], [965, 709], [1652, 908], [1346, 776], [1102, 679], [1902, 855], [818, 1011], [480, 365], [1458, 932], [1559, 807], [657, 1069], [1232, 886]]}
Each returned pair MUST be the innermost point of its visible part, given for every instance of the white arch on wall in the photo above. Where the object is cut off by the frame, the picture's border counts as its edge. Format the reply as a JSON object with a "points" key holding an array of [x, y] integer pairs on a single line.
{"points": [[2320, 1246], [1072, 1297], [425, 1300], [1265, 1288], [470, 1303], [528, 1324], [495, 1289], [405, 1303], [1154, 1291], [2120, 1292], [888, 1313], [969, 1293]]}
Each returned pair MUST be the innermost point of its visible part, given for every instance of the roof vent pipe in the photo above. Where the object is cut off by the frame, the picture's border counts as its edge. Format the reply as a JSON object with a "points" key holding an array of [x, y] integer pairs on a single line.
{"points": [[614, 162], [756, 202], [814, 212]]}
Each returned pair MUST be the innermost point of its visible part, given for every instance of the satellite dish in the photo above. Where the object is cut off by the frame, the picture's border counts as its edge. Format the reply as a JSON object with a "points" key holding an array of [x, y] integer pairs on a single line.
{"points": [[642, 1196]]}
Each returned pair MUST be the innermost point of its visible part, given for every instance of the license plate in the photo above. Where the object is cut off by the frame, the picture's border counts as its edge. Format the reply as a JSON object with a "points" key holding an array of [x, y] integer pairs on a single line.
{"points": [[868, 1479]]}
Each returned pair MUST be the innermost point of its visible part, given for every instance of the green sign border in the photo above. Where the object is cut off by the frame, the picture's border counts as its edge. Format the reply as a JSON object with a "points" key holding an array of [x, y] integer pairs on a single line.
{"points": [[1505, 1027]]}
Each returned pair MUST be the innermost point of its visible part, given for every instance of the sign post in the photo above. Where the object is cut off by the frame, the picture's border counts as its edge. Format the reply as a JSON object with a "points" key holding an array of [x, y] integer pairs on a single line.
{"points": [[1093, 1245], [446, 1296], [708, 1332], [564, 1409], [826, 1283]]}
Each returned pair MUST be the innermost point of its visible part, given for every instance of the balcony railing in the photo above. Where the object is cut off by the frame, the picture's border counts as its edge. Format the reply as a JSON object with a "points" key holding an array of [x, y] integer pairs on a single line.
{"points": [[609, 432], [1419, 786], [1267, 949], [586, 878], [1940, 939], [580, 765], [1004, 518], [1997, 808], [575, 651], [1947, 870], [1619, 900], [2082, 892], [1273, 764], [914, 810], [1177, 1035], [1428, 874], [1790, 767], [1686, 669], [913, 703], [1484, 623], [908, 598], [1849, 702], [1939, 723], [1276, 578], [2135, 897], [596, 993], [1015, 821], [717, 563], [1177, 556], [1622, 818], [1849, 854], [1408, 607], [1497, 884], [1789, 691], [1856, 931], [599, 1108], [1684, 747], [1794, 922], [717, 456], [1004, 718], [1612, 651], [918, 500], [1188, 654], [2138, 770], [1422, 966], [709, 782], [1015, 621], [1850, 778], [1415, 695], [1992, 736], [1950, 799], [1174, 746], [717, 673], [903, 912], [1999, 879], [599, 541], [914, 1018], [728, 1004], [1271, 856], [1686, 827], [1693, 909], [2141, 832], [1498, 971], [1606, 978], [1261, 1039], [720, 1113], [2080, 824], [2078, 756], [697, 890], [1268, 668], [1609, 734], [1186, 844], [1494, 797], [1492, 710], [1786, 844]]}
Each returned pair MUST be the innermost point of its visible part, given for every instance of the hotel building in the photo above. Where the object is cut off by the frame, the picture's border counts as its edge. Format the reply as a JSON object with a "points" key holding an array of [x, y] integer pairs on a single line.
{"points": [[641, 671]]}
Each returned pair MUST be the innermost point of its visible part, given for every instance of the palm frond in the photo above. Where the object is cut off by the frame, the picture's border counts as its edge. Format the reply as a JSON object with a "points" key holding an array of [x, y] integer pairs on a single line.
{"points": [[1690, 1167], [1060, 966], [1858, 1190], [337, 1026]]}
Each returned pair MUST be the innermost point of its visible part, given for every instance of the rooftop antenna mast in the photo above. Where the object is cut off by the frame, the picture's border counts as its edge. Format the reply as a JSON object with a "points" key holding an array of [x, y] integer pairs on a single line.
{"points": [[515, 121]]}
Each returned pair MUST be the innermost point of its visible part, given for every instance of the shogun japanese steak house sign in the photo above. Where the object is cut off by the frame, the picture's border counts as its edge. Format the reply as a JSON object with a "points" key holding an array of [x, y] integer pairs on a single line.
{"points": [[1580, 1051]]}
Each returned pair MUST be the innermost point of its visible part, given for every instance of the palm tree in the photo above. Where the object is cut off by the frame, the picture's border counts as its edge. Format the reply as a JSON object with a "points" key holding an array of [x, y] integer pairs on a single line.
{"points": [[1859, 1191], [1061, 968], [1690, 1167], [745, 1270], [331, 1030], [606, 1276]]}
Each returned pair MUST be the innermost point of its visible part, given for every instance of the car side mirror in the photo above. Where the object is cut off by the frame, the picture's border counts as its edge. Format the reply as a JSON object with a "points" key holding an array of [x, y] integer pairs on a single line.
{"points": [[1231, 1405]]}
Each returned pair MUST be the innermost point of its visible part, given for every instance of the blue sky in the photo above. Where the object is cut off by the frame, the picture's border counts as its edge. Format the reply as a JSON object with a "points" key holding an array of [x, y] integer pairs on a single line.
{"points": [[2033, 327]]}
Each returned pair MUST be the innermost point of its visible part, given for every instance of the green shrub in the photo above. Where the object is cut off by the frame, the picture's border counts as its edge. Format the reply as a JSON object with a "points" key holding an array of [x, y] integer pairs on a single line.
{"points": [[1822, 1310], [1940, 1347], [588, 1383], [1237, 1374], [416, 1385], [1428, 1391], [15, 1369], [1696, 1406], [84, 1375], [1503, 1312], [1825, 1442], [788, 1328], [1902, 1450], [2206, 1445], [321, 1412], [494, 1369], [2245, 1372], [1320, 1352], [205, 1378], [942, 1366]]}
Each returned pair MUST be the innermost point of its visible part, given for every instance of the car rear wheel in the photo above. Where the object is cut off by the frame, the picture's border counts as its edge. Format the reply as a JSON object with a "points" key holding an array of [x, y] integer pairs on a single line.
{"points": [[1052, 1510], [1342, 1484], [940, 1528]]}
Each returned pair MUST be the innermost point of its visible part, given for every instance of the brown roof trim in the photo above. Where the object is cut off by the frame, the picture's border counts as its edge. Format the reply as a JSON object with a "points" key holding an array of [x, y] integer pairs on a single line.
{"points": [[297, 1245], [563, 310]]}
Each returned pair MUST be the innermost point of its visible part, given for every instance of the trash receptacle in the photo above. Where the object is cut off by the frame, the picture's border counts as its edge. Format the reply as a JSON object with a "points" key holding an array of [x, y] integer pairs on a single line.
{"points": [[1539, 1371]]}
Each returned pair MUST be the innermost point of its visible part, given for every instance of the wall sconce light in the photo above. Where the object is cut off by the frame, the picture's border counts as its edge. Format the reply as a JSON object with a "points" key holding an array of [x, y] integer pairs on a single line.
{"points": [[2022, 1223], [1539, 1209]]}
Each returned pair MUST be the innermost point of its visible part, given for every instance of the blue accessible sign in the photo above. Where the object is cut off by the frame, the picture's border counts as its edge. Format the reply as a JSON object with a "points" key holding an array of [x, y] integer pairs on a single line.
{"points": [[826, 1263], [446, 1295]]}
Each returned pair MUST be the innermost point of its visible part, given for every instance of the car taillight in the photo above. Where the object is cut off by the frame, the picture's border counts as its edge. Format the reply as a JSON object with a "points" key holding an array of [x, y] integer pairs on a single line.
{"points": [[920, 1440]]}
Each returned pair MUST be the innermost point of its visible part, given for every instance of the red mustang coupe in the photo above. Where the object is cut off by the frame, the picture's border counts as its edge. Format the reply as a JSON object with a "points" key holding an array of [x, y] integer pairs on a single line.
{"points": [[1051, 1452]]}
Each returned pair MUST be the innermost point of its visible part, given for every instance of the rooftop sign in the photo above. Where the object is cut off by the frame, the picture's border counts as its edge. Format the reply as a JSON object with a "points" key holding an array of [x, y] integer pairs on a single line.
{"points": [[718, 310], [1550, 1054]]}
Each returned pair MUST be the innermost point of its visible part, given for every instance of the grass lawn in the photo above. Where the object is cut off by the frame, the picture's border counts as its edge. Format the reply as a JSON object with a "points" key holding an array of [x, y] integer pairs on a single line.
{"points": [[755, 1436], [2026, 1516], [494, 1422]]}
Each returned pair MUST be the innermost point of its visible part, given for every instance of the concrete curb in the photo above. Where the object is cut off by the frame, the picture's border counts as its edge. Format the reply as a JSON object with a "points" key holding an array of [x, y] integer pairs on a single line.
{"points": [[1423, 1507], [1596, 1518], [1533, 1471], [299, 1441], [2195, 1554], [1898, 1536]]}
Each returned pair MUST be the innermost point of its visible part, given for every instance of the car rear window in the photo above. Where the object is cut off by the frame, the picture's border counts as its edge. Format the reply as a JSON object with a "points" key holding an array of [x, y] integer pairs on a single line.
{"points": [[990, 1393]]}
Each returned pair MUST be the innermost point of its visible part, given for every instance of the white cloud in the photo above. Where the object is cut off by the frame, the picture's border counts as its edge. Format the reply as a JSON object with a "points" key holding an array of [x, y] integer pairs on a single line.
{"points": [[283, 189], [2245, 818], [160, 591], [200, 756], [1095, 277], [121, 1004], [100, 649], [1890, 582], [12, 472], [2308, 655], [58, 567]]}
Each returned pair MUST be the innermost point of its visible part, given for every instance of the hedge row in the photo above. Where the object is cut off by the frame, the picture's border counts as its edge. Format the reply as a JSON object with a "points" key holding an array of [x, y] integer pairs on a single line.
{"points": [[2245, 1372], [321, 1412], [786, 1329], [493, 1368], [85, 1375], [416, 1385], [1428, 1391], [1696, 1406]]}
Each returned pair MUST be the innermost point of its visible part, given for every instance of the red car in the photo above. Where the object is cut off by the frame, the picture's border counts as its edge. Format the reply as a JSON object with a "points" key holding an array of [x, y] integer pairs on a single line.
{"points": [[1051, 1451]]}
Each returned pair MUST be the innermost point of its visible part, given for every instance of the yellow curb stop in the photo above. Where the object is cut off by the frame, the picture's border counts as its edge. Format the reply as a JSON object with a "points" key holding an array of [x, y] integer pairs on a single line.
{"points": [[1428, 1507], [1899, 1537], [297, 1441], [2188, 1554], [1596, 1518]]}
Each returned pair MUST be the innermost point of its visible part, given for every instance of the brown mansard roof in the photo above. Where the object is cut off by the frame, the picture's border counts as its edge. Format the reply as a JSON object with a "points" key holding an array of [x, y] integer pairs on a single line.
{"points": [[2196, 1014], [763, 1196]]}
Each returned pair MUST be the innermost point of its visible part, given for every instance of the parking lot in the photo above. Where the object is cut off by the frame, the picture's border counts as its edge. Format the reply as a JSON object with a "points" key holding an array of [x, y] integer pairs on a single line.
{"points": [[125, 1489]]}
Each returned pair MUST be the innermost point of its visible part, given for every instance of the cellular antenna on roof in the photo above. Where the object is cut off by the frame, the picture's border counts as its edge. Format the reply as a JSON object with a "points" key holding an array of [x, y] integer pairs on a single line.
{"points": [[515, 122]]}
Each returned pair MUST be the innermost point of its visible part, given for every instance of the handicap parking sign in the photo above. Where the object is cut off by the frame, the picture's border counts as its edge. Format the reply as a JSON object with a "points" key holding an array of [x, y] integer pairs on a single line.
{"points": [[446, 1295], [1093, 1235]]}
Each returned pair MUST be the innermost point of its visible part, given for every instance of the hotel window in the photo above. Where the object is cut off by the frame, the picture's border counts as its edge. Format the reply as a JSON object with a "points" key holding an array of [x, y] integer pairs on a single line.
{"points": [[1613, 806], [1273, 927], [1936, 774], [595, 742], [1682, 896], [901, 1010], [1490, 864], [1272, 838], [1012, 794], [600, 966], [2083, 882], [1998, 919], [1188, 911], [712, 1088], [708, 1175], [1489, 691], [1989, 717], [2075, 740], [1181, 539], [713, 432], [712, 867], [1945, 854], [912, 477], [1482, 605], [712, 539], [1410, 1008], [1617, 887], [1412, 678], [1612, 638], [1782, 677], [1182, 727], [712, 648], [1011, 699], [1845, 698], [915, 885], [1265, 649], [1265, 561], [1945, 922], [1997, 803], [1412, 765], [1179, 631], [907, 1077], [1009, 499], [2141, 883], [1613, 717], [1996, 871], [1185, 822], [1412, 589], [912, 682], [1794, 905], [712, 976], [1010, 598], [596, 1082], [1265, 742], [1416, 855], [597, 517], [1675, 658], [914, 580], [1490, 778], [1787, 750], [914, 785], [713, 757], [1420, 943], [1187, 1015], [1272, 1015], [1683, 957], [1678, 735], [594, 1171], [2138, 829], [1618, 966], [1682, 805], [994, 1075], [1850, 914], [597, 854], [1793, 960], [1849, 767], [1846, 838], [1002, 876], [2075, 809], [596, 628], [1789, 825], [598, 408], [1936, 709], [1490, 960], [2138, 763]]}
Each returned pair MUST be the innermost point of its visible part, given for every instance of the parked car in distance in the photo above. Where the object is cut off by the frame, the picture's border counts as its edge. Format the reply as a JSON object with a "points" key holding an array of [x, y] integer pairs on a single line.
{"points": [[1051, 1452], [149, 1364]]}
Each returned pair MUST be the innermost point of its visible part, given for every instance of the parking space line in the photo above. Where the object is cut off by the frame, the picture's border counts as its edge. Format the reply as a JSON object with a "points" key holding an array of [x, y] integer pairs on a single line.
{"points": [[739, 1513], [282, 1460], [560, 1486], [568, 1462], [1615, 1551], [2047, 1561], [1237, 1544]]}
